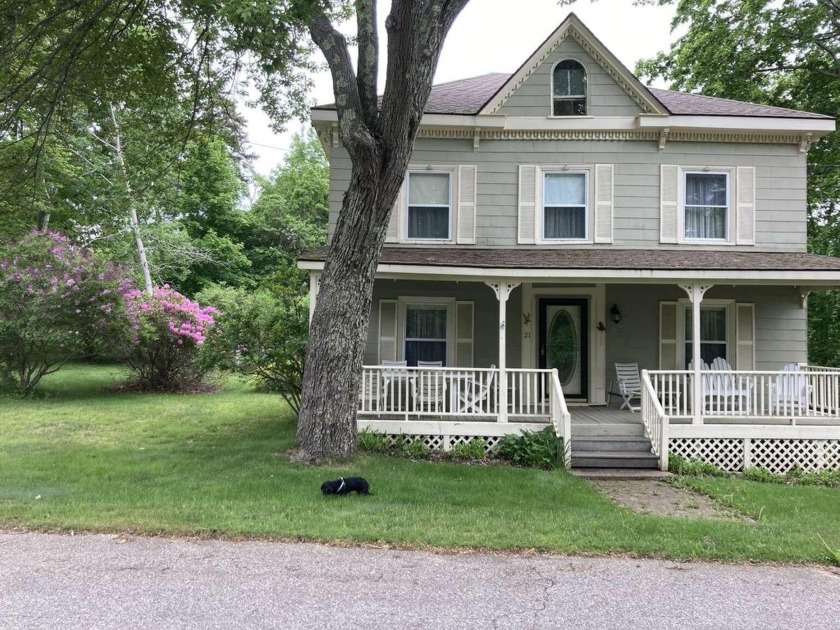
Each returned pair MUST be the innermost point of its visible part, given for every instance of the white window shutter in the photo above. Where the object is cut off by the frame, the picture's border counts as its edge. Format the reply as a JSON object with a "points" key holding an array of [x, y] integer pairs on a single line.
{"points": [[604, 203], [387, 330], [744, 336], [668, 348], [394, 225], [669, 205], [746, 205], [527, 204], [464, 334], [466, 204]]}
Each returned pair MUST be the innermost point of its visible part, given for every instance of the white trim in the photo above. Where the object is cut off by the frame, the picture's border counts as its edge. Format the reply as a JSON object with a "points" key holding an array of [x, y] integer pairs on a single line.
{"points": [[813, 279], [551, 96], [766, 431], [404, 301], [595, 296], [731, 195], [574, 28], [738, 123], [566, 169], [452, 172]]}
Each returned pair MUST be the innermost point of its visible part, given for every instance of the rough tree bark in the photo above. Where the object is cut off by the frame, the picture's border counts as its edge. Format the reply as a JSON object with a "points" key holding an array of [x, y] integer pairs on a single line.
{"points": [[378, 138]]}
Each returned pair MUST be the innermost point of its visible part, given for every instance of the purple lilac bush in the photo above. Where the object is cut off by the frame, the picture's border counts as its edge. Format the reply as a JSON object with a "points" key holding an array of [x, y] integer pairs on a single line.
{"points": [[166, 331], [57, 304]]}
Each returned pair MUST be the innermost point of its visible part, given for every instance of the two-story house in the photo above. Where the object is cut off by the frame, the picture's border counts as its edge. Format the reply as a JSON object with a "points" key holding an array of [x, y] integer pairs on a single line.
{"points": [[564, 219]]}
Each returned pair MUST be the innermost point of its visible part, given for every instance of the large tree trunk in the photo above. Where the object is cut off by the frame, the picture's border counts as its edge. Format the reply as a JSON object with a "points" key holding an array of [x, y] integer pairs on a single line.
{"points": [[379, 139]]}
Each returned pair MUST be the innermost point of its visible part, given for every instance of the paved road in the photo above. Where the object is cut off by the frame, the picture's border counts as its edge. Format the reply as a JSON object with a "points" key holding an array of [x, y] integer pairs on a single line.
{"points": [[97, 582]]}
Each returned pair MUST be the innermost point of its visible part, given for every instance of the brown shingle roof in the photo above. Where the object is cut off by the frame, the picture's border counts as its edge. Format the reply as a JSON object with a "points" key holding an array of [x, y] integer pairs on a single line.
{"points": [[468, 96], [599, 258], [683, 103]]}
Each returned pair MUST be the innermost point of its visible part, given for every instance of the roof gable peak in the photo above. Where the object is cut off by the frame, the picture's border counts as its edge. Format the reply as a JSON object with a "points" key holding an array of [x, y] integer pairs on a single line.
{"points": [[573, 28]]}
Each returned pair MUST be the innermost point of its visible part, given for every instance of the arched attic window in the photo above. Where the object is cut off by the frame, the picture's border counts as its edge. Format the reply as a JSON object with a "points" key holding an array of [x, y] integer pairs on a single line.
{"points": [[569, 89]]}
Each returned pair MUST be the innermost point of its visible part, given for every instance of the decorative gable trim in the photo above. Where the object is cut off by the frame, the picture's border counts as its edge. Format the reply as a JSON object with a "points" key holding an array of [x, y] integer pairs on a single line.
{"points": [[574, 28]]}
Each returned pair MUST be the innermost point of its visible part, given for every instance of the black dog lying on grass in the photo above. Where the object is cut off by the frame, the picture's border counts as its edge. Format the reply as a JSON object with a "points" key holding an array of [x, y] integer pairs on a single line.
{"points": [[345, 485]]}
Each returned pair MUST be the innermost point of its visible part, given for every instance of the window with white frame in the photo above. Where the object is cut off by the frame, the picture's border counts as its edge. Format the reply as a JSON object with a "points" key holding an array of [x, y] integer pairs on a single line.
{"points": [[569, 89], [429, 206], [714, 332], [706, 204], [565, 202], [426, 327]]}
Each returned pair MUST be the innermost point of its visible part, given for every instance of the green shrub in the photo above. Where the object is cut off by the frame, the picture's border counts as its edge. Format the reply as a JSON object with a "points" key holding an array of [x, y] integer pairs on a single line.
{"points": [[795, 476], [411, 447], [693, 467], [474, 450], [261, 334], [541, 449], [373, 441], [763, 475]]}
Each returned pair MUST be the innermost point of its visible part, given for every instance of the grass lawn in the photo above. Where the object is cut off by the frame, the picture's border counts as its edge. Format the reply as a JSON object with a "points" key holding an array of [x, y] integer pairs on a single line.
{"points": [[80, 457]]}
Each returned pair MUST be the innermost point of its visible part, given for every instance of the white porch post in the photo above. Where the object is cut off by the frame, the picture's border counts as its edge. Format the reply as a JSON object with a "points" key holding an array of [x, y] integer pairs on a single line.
{"points": [[314, 287], [502, 291], [695, 294]]}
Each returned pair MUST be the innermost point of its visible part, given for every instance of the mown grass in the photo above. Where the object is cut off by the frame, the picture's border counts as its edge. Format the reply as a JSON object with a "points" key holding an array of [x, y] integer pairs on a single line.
{"points": [[214, 464]]}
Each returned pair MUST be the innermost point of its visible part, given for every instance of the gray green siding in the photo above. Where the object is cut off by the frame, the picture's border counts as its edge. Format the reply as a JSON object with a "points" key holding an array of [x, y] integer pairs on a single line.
{"points": [[780, 215], [604, 96]]}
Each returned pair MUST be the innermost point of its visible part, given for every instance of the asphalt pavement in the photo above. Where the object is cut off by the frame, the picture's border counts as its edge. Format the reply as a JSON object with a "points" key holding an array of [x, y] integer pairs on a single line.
{"points": [[94, 582]]}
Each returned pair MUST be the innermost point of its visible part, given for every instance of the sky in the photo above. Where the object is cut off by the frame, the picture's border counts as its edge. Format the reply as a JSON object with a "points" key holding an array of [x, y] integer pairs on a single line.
{"points": [[498, 36]]}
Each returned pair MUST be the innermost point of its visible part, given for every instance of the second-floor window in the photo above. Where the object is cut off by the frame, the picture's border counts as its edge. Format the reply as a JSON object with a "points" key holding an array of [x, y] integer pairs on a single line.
{"points": [[565, 200], [706, 205], [569, 89], [429, 208]]}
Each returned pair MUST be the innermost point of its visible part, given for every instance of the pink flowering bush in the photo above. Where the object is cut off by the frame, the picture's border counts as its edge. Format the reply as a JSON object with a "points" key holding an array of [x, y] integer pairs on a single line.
{"points": [[57, 304], [166, 332]]}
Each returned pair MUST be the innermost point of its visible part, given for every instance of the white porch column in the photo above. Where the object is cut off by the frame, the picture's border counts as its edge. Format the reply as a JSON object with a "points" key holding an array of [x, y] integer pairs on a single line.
{"points": [[695, 294], [314, 287], [502, 291]]}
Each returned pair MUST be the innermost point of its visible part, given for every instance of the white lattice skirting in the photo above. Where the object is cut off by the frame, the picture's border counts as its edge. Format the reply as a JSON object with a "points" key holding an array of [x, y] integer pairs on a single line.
{"points": [[777, 456], [446, 442]]}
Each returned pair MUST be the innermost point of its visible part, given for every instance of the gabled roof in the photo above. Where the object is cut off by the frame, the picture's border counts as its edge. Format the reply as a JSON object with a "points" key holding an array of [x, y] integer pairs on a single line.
{"points": [[486, 93], [574, 28]]}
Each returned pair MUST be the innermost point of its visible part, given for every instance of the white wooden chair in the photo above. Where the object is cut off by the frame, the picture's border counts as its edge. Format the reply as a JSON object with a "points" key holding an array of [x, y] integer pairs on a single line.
{"points": [[396, 384], [791, 391], [629, 385], [429, 390], [726, 391], [475, 391]]}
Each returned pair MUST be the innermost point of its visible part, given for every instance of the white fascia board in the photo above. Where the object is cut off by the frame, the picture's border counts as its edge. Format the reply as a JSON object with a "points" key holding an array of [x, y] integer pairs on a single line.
{"points": [[428, 120], [323, 115], [572, 123], [813, 279], [738, 123]]}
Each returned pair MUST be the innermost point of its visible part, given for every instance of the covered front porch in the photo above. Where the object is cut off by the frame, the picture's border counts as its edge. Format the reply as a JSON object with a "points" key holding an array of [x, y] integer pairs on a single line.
{"points": [[467, 342]]}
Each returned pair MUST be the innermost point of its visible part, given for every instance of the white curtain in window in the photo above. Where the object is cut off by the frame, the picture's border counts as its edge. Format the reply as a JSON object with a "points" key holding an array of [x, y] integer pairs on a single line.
{"points": [[425, 189], [564, 203], [705, 205]]}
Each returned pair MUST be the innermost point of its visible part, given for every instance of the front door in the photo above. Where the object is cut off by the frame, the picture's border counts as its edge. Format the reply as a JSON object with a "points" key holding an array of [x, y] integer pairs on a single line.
{"points": [[563, 342]]}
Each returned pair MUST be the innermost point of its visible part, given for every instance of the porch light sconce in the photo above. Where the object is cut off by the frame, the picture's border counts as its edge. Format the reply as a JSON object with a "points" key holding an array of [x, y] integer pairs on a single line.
{"points": [[615, 314]]}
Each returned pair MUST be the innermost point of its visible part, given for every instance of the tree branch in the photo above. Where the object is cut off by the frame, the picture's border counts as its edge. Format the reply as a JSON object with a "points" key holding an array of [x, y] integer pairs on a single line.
{"points": [[355, 135], [368, 64]]}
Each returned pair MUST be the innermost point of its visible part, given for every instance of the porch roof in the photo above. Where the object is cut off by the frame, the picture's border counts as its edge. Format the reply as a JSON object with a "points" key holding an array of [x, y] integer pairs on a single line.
{"points": [[603, 263]]}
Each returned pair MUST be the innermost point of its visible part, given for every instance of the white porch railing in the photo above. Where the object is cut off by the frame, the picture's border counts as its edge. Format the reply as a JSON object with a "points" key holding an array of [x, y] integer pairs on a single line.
{"points": [[462, 392], [812, 392], [561, 418], [655, 421]]}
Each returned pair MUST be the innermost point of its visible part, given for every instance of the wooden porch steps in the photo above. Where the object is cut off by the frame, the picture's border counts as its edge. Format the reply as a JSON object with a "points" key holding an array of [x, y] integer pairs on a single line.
{"points": [[612, 452]]}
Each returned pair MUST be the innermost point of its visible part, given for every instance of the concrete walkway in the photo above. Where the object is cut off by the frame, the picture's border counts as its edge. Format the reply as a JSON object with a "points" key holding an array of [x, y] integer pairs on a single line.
{"points": [[96, 582]]}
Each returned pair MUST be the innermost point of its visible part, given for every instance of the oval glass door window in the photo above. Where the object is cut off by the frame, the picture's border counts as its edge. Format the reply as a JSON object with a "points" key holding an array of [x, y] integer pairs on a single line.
{"points": [[563, 345]]}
